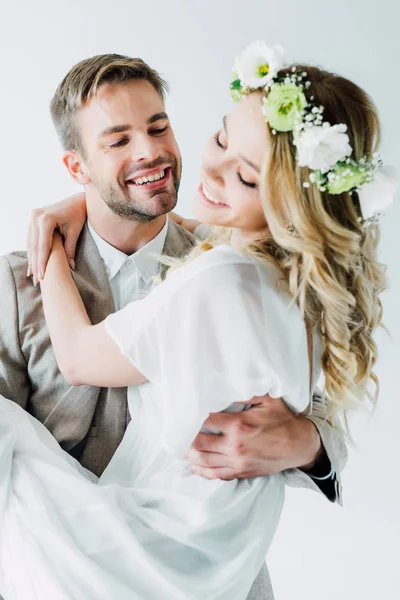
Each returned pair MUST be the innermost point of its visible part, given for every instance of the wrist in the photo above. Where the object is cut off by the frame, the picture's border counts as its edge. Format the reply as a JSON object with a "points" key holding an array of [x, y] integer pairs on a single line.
{"points": [[315, 449]]}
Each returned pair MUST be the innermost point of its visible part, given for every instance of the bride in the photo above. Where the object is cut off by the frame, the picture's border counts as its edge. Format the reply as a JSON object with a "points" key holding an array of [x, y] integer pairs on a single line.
{"points": [[288, 287]]}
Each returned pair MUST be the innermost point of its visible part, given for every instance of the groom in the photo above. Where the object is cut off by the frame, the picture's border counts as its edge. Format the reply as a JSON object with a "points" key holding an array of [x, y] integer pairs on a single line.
{"points": [[118, 143]]}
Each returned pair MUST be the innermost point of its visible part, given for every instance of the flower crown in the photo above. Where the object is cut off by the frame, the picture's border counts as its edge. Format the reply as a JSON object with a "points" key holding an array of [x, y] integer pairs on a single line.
{"points": [[324, 148]]}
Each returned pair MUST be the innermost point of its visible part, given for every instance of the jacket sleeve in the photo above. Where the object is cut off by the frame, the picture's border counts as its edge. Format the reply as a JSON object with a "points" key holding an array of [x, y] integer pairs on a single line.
{"points": [[333, 441], [14, 379]]}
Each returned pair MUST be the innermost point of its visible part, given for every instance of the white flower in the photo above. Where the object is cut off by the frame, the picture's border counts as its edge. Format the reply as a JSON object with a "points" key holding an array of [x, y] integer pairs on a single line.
{"points": [[375, 197], [320, 147], [258, 64]]}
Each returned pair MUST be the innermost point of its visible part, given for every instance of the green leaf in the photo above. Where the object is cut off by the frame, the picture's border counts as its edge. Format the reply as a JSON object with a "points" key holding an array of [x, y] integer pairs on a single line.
{"points": [[236, 85]]}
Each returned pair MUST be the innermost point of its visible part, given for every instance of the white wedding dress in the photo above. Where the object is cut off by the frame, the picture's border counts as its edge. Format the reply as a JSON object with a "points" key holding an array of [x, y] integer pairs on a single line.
{"points": [[219, 331]]}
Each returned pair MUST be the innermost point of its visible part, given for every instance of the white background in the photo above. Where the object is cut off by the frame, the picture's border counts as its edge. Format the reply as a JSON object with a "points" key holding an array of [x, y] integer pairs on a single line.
{"points": [[321, 552]]}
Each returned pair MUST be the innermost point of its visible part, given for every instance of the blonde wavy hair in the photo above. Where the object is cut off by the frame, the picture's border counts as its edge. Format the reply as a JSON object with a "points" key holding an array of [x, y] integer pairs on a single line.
{"points": [[321, 248]]}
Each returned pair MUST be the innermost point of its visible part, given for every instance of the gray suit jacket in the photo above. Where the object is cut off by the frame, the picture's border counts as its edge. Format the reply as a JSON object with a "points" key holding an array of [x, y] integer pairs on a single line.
{"points": [[88, 422]]}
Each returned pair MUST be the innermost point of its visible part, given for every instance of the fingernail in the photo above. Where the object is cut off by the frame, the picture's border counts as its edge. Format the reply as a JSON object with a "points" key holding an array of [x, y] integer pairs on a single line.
{"points": [[28, 273], [41, 275], [72, 264], [34, 280]]}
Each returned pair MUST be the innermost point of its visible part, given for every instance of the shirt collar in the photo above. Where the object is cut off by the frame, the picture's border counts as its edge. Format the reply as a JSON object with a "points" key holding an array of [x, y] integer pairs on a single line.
{"points": [[146, 260]]}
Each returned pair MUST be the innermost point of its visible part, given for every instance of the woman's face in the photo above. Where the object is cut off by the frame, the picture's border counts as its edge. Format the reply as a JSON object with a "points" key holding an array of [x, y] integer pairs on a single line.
{"points": [[229, 192]]}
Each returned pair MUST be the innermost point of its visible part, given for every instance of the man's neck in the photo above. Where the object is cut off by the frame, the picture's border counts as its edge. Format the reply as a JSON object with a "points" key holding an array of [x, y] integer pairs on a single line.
{"points": [[125, 235]]}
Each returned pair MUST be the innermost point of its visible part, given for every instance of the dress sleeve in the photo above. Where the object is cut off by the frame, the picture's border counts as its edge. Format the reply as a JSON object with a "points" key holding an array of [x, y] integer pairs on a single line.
{"points": [[202, 231], [209, 338]]}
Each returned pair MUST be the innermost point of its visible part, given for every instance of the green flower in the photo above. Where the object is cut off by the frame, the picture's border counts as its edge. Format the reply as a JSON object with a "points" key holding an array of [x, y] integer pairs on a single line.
{"points": [[284, 105], [347, 176]]}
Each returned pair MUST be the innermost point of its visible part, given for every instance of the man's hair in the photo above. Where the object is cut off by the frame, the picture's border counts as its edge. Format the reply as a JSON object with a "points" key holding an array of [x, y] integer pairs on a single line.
{"points": [[81, 84]]}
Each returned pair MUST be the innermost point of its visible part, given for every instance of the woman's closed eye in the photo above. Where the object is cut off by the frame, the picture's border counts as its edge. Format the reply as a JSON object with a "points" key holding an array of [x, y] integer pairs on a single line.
{"points": [[217, 140], [242, 181], [246, 183]]}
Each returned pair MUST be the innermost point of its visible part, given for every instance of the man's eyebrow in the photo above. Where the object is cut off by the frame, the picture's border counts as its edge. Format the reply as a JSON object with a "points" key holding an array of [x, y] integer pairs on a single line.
{"points": [[246, 160], [157, 117], [114, 129], [122, 128]]}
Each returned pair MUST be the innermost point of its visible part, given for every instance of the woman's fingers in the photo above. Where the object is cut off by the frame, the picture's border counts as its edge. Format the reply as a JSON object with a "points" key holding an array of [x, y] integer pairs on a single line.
{"points": [[71, 236], [68, 216], [32, 248], [28, 246], [47, 226], [39, 241]]}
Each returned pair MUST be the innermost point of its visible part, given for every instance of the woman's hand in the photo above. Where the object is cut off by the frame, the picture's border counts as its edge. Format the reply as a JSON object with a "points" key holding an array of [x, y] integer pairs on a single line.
{"points": [[68, 217], [188, 224]]}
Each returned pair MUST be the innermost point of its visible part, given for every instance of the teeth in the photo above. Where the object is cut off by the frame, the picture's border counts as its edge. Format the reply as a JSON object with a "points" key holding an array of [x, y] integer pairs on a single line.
{"points": [[208, 195], [149, 178]]}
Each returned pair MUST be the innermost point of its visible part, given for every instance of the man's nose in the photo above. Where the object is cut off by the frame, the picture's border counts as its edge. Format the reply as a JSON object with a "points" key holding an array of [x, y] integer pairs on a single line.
{"points": [[145, 149]]}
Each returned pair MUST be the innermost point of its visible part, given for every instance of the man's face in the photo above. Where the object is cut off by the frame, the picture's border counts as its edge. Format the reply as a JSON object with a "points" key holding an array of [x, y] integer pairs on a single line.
{"points": [[129, 151]]}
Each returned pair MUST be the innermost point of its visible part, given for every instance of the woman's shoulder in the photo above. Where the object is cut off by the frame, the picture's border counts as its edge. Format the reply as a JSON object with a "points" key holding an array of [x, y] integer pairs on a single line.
{"points": [[222, 259], [234, 261], [226, 269]]}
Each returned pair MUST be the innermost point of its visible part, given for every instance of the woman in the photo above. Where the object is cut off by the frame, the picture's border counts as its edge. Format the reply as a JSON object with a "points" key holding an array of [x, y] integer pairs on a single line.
{"points": [[290, 287]]}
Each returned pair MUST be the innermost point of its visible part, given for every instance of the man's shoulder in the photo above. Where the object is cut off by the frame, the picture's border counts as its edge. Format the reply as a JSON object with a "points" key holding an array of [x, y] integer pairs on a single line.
{"points": [[16, 258], [14, 282], [15, 263]]}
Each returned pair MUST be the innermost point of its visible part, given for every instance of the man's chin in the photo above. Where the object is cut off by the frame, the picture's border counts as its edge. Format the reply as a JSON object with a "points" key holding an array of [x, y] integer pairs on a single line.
{"points": [[159, 204], [147, 210]]}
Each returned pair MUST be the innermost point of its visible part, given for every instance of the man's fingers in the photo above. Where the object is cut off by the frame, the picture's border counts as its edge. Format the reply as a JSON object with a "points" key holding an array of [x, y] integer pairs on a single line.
{"points": [[208, 459], [209, 442], [219, 421], [224, 473]]}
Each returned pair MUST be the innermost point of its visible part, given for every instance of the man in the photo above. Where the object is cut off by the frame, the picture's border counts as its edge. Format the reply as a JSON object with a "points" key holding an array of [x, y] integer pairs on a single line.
{"points": [[118, 143]]}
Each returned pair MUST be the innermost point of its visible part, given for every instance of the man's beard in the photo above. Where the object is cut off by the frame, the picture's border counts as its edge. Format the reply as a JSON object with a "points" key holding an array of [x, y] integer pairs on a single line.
{"points": [[122, 204]]}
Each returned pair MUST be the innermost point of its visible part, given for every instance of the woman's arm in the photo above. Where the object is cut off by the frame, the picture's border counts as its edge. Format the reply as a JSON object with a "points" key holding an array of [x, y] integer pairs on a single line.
{"points": [[189, 224], [68, 217], [85, 353]]}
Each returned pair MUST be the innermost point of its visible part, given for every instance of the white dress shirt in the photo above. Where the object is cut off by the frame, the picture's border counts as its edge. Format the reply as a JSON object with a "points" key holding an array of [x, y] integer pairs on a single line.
{"points": [[131, 277]]}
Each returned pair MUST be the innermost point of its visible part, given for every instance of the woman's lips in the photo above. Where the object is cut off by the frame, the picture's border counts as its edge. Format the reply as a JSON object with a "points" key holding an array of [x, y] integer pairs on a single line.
{"points": [[206, 201]]}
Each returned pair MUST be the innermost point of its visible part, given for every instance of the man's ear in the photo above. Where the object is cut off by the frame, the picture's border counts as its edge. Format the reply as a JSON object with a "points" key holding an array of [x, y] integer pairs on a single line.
{"points": [[76, 167]]}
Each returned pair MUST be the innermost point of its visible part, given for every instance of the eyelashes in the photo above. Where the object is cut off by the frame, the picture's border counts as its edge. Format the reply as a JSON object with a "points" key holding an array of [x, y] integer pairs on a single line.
{"points": [[216, 138], [242, 181], [123, 141], [159, 131], [119, 143]]}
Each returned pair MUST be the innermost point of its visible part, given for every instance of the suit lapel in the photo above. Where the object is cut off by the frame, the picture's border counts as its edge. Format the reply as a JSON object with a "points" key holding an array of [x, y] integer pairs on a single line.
{"points": [[79, 403], [91, 279]]}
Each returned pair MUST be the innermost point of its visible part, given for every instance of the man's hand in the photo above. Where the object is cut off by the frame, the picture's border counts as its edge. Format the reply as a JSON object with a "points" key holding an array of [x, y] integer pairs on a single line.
{"points": [[265, 439]]}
